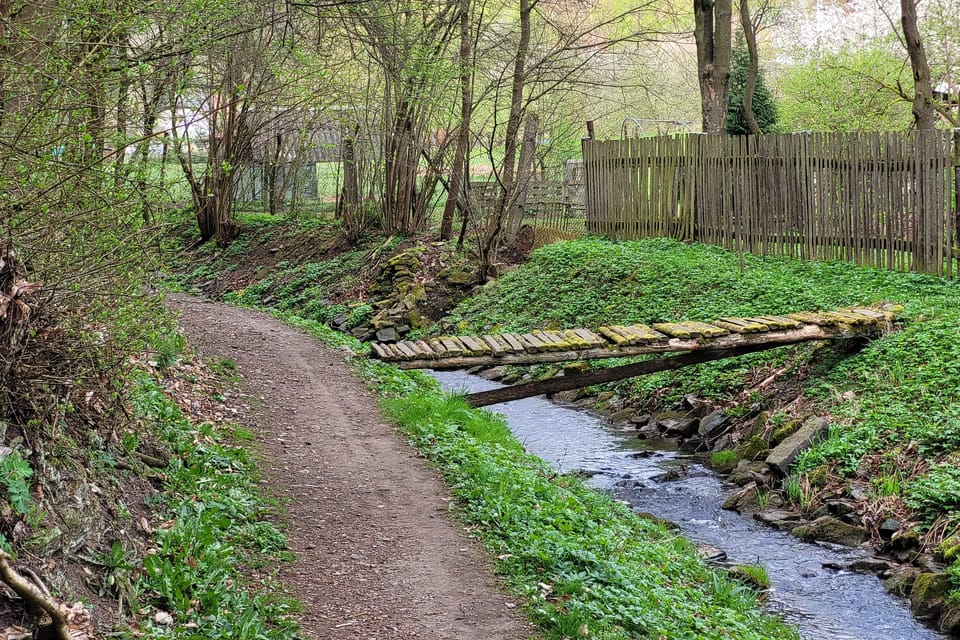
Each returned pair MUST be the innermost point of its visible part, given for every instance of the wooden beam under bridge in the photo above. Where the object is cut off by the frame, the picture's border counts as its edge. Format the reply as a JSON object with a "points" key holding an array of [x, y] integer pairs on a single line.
{"points": [[695, 341], [578, 381]]}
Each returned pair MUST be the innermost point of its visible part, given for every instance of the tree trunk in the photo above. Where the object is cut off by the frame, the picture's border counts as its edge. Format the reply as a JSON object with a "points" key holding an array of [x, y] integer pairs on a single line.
{"points": [[923, 112], [712, 33], [524, 173], [750, 37], [459, 171], [495, 226]]}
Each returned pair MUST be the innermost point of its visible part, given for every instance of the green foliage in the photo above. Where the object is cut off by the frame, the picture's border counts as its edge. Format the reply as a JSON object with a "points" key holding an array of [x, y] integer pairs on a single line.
{"points": [[900, 389], [764, 106], [217, 510], [723, 458], [578, 557], [15, 474], [849, 90], [937, 492], [607, 572]]}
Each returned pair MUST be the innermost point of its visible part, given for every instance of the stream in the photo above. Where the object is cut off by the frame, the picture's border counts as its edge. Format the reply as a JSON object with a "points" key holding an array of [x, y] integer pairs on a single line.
{"points": [[825, 604]]}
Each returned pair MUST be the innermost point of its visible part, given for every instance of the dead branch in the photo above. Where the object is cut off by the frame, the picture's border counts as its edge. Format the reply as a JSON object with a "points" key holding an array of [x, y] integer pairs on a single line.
{"points": [[35, 596]]}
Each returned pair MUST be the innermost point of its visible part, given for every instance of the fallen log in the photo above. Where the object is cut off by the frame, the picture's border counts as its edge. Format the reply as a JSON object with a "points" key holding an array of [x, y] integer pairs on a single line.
{"points": [[565, 383]]}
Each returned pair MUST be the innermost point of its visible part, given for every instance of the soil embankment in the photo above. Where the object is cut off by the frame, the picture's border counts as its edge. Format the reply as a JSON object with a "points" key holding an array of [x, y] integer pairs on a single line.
{"points": [[376, 554]]}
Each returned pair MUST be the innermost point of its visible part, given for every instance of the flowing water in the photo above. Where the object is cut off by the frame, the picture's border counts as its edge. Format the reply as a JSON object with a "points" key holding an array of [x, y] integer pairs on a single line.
{"points": [[826, 604]]}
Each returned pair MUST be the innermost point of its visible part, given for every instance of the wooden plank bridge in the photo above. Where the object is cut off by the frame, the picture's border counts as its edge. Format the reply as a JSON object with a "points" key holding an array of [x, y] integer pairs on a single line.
{"points": [[696, 341]]}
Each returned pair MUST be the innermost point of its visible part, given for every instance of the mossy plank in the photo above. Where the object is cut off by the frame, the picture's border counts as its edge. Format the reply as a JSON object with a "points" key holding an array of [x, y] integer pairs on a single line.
{"points": [[379, 351], [875, 314], [809, 317], [631, 338], [531, 343], [741, 325], [590, 337], [559, 339], [548, 344], [513, 341], [437, 345], [613, 336], [494, 345], [575, 340], [477, 347], [690, 329], [642, 333], [779, 322], [453, 347], [406, 350], [424, 347]]}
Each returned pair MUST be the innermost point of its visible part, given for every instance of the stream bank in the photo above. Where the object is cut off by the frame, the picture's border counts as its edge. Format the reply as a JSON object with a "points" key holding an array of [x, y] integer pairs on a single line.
{"points": [[814, 586]]}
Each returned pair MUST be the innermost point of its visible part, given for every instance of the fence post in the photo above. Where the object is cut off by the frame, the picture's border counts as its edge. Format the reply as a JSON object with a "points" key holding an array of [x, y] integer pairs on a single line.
{"points": [[956, 195]]}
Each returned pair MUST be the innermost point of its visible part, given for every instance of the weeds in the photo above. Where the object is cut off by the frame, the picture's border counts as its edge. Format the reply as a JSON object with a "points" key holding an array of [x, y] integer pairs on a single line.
{"points": [[586, 565], [214, 511]]}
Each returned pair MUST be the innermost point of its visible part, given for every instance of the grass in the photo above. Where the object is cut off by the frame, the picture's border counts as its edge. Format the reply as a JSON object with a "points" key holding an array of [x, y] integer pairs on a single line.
{"points": [[213, 538], [583, 563], [899, 393]]}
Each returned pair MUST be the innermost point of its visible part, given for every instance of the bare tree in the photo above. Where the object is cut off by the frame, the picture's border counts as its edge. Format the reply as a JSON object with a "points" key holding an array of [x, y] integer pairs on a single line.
{"points": [[712, 32], [460, 170], [924, 115]]}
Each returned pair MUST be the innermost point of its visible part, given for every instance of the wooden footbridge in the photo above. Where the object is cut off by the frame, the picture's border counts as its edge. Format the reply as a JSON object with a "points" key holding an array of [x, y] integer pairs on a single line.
{"points": [[695, 341]]}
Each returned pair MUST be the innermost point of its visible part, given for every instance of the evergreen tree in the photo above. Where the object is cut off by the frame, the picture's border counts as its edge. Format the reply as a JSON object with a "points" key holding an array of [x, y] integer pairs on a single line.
{"points": [[764, 107]]}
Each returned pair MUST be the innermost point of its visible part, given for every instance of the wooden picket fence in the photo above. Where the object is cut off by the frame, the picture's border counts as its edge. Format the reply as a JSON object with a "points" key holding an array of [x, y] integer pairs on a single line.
{"points": [[879, 199]]}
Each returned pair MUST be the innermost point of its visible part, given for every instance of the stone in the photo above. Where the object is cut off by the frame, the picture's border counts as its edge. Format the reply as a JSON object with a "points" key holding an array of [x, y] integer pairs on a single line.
{"points": [[746, 500], [928, 595], [641, 419], [678, 427], [42, 539], [648, 431], [831, 529], [781, 519], [388, 334], [663, 522], [460, 277], [623, 415], [903, 540], [338, 320], [871, 565], [755, 448], [713, 424], [858, 491], [840, 507], [692, 445], [950, 621], [812, 430], [902, 580], [711, 554], [745, 471], [567, 397], [493, 373]]}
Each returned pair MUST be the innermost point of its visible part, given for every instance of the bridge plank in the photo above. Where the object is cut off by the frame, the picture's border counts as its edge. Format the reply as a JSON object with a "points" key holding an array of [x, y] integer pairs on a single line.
{"points": [[424, 347], [494, 345], [590, 337], [531, 344], [778, 322], [690, 329], [437, 345], [513, 342], [475, 346], [642, 333], [741, 325], [453, 346], [614, 336]]}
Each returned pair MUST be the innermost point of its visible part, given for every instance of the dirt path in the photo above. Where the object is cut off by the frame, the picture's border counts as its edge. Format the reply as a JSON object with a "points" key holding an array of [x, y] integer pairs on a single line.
{"points": [[377, 556]]}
